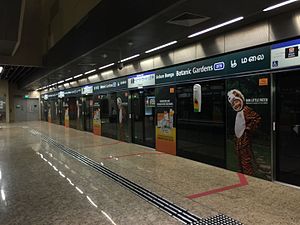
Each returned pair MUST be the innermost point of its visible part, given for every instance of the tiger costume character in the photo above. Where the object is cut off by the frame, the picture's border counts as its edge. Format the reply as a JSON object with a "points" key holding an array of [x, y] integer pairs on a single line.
{"points": [[246, 122]]}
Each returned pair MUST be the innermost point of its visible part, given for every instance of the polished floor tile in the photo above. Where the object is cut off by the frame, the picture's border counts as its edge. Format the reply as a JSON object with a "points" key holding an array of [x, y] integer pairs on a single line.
{"points": [[42, 186], [174, 178]]}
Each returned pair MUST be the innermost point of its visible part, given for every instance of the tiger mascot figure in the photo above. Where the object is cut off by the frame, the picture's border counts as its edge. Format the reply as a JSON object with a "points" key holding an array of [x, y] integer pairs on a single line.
{"points": [[246, 122]]}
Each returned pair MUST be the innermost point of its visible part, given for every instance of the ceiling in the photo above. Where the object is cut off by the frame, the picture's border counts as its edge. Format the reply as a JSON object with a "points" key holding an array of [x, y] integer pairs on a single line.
{"points": [[15, 73], [10, 19], [118, 29]]}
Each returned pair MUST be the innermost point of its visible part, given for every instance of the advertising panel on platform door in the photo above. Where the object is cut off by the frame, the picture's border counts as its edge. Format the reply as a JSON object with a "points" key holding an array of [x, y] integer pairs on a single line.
{"points": [[165, 127], [67, 117], [248, 126], [49, 114], [96, 118], [123, 119]]}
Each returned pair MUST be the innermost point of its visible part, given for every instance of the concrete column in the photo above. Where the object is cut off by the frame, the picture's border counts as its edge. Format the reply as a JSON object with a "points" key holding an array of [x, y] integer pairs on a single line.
{"points": [[4, 93]]}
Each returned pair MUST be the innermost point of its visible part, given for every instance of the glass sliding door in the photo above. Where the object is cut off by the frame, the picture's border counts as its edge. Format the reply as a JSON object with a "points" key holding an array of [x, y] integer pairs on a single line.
{"points": [[123, 117], [61, 112], [88, 113], [54, 111], [108, 114], [143, 117], [149, 120], [137, 117], [288, 127], [73, 112], [201, 133]]}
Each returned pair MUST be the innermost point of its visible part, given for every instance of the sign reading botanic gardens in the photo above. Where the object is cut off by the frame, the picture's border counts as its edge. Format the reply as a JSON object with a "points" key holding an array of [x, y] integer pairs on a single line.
{"points": [[250, 60]]}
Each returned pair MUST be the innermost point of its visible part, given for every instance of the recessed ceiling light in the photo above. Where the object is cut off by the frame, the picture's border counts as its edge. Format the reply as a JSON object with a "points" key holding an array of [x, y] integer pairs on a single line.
{"points": [[279, 5], [161, 46], [131, 57], [71, 78], [216, 27], [90, 71], [103, 67], [104, 55], [79, 75]]}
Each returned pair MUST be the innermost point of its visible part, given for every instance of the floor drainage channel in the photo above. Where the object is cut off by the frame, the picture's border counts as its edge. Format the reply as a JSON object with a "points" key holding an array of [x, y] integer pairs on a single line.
{"points": [[170, 208]]}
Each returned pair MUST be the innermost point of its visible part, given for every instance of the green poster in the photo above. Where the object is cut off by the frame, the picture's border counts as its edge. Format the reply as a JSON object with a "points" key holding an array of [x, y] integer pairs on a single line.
{"points": [[248, 126]]}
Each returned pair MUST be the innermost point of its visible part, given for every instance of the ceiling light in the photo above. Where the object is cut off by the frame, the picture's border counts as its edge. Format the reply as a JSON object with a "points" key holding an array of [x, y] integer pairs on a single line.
{"points": [[59, 82], [131, 57], [279, 5], [90, 71], [71, 78], [104, 55], [1, 69], [162, 46], [216, 27], [103, 67], [79, 75]]}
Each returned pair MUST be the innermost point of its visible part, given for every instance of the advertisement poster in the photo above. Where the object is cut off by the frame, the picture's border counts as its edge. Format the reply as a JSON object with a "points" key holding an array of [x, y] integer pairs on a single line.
{"points": [[2, 109], [96, 119], [67, 118], [248, 126], [197, 97], [122, 113], [165, 127], [49, 115]]}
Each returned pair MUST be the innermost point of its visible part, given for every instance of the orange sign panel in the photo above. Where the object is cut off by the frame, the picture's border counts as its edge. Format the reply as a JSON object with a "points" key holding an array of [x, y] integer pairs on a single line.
{"points": [[263, 82]]}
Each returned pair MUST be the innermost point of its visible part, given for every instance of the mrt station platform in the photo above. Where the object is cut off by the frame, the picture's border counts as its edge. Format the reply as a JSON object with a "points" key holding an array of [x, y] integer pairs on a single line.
{"points": [[50, 174]]}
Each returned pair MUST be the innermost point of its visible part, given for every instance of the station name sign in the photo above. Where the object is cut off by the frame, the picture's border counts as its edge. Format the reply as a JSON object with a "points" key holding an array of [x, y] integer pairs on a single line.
{"points": [[87, 90], [141, 80], [246, 61], [72, 92], [111, 85], [61, 94], [252, 60]]}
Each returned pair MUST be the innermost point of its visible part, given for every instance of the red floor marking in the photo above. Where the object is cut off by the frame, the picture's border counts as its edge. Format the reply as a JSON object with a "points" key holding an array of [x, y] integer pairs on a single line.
{"points": [[243, 182], [135, 154]]}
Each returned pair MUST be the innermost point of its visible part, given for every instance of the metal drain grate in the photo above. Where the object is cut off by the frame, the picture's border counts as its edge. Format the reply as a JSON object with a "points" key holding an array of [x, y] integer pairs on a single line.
{"points": [[170, 208], [219, 220]]}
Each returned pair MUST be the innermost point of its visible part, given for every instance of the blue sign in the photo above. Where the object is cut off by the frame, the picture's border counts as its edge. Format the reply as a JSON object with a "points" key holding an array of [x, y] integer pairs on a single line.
{"points": [[219, 66]]}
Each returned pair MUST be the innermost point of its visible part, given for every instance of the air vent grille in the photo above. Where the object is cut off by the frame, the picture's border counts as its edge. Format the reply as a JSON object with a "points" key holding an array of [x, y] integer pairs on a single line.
{"points": [[188, 19]]}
